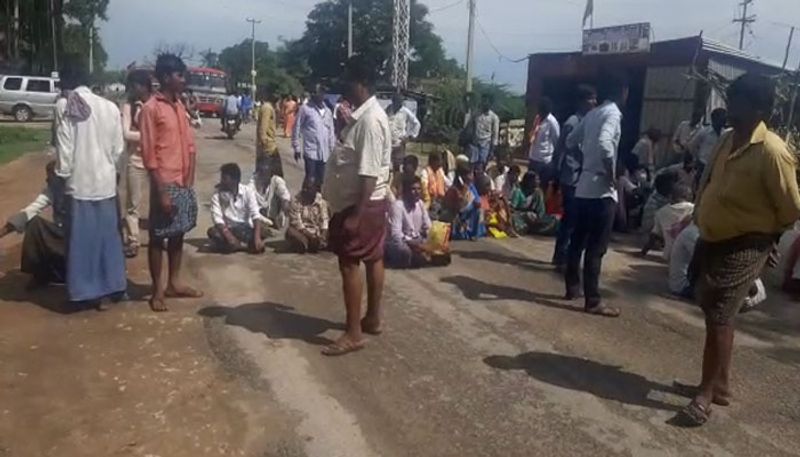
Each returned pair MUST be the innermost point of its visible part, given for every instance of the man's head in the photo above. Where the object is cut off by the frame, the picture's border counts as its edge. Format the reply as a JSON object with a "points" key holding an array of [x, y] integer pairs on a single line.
{"points": [[410, 164], [665, 183], [614, 87], [750, 101], [139, 84], [435, 160], [484, 184], [465, 174], [264, 170], [73, 73], [487, 102], [171, 73], [680, 193], [412, 189], [230, 177], [545, 107], [587, 98], [317, 92], [310, 188], [719, 117], [397, 101], [359, 78], [654, 134]]}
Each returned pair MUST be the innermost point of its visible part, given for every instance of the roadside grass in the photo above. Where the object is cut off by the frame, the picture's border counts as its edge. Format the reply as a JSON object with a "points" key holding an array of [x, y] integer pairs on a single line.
{"points": [[15, 141]]}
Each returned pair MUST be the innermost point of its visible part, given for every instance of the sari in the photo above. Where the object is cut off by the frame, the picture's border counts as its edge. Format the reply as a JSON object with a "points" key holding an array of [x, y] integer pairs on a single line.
{"points": [[530, 215], [462, 207]]}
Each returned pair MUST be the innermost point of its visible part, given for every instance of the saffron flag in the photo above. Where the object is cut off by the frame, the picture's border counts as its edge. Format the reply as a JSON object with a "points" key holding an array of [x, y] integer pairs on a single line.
{"points": [[589, 11]]}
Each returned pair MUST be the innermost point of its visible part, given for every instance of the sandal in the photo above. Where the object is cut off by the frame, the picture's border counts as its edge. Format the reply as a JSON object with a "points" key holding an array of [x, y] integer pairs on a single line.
{"points": [[131, 251], [695, 414], [604, 311], [342, 347]]}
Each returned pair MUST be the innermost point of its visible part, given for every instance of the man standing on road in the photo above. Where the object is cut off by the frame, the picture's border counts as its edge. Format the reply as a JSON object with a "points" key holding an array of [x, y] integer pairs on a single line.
{"points": [[706, 139], [169, 155], [747, 198], [89, 145], [544, 143], [684, 134], [356, 190], [567, 169], [595, 195], [314, 126], [484, 132], [404, 126], [266, 131]]}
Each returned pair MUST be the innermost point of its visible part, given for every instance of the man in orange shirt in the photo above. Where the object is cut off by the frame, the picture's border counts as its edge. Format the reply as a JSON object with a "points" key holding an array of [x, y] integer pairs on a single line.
{"points": [[169, 154]]}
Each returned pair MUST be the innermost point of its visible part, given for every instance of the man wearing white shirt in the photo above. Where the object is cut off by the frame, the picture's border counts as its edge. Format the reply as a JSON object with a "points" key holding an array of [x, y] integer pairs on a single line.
{"points": [[404, 125], [544, 143], [595, 195], [235, 212], [684, 134], [356, 188], [89, 144]]}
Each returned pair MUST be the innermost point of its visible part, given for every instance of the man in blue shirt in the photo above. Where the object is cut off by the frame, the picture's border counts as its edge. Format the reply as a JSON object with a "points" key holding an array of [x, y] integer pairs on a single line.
{"points": [[230, 109]]}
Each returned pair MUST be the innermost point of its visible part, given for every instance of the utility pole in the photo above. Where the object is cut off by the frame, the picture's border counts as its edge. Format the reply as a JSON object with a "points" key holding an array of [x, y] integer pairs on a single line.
{"points": [[470, 44], [53, 34], [91, 47], [745, 20], [253, 23], [400, 44], [350, 29], [788, 48]]}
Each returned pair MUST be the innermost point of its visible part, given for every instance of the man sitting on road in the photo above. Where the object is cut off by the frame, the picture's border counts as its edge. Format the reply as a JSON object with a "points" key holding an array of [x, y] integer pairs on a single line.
{"points": [[44, 243], [272, 194], [670, 220], [238, 224], [308, 220], [409, 224]]}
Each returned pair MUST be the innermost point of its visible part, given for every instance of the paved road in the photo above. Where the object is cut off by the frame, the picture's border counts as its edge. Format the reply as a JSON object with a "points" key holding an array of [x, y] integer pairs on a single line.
{"points": [[483, 358]]}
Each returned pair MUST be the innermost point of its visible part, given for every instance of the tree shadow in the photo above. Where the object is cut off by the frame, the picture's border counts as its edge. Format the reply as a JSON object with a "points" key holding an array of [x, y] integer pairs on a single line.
{"points": [[476, 290], [573, 373], [53, 297], [524, 262], [276, 321]]}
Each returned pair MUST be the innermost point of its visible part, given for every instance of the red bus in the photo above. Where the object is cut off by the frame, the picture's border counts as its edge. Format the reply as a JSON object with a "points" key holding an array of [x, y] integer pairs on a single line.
{"points": [[209, 86]]}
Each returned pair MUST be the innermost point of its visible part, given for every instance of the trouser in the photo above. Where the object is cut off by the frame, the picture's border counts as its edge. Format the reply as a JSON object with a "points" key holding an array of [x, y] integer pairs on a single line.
{"points": [[594, 219], [398, 155], [566, 227], [136, 181], [316, 169], [544, 170]]}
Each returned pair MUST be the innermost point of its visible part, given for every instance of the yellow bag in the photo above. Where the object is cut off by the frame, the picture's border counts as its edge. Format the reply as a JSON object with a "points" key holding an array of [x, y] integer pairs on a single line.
{"points": [[439, 237]]}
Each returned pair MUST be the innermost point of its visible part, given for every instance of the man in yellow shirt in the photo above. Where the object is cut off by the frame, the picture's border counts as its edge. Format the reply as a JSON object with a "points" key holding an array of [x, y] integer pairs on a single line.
{"points": [[747, 198], [266, 143]]}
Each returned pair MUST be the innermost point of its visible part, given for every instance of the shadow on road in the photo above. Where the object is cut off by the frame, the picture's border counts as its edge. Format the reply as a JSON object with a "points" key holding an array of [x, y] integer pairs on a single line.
{"points": [[474, 289], [13, 288], [276, 321], [603, 381], [524, 262]]}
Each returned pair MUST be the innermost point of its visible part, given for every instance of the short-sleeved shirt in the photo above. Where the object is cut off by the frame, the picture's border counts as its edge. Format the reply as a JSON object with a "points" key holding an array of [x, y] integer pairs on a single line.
{"points": [[546, 140], [167, 140], [366, 150], [749, 190], [670, 221]]}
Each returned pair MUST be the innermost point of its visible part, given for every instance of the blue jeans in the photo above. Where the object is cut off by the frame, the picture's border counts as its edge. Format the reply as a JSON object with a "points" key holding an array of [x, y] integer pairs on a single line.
{"points": [[479, 154], [316, 169], [566, 227]]}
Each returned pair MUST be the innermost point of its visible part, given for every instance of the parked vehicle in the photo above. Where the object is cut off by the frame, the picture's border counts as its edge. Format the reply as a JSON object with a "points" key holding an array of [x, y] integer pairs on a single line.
{"points": [[26, 97]]}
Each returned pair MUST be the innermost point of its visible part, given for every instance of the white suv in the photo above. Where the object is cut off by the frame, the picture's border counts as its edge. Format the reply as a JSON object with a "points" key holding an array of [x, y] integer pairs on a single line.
{"points": [[25, 97]]}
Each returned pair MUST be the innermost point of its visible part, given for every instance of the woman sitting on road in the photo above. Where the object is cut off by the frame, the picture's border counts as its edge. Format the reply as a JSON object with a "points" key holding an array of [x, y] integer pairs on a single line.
{"points": [[496, 210], [530, 215]]}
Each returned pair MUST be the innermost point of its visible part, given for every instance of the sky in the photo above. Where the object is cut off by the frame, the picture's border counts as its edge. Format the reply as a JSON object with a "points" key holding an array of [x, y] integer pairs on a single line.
{"points": [[508, 30]]}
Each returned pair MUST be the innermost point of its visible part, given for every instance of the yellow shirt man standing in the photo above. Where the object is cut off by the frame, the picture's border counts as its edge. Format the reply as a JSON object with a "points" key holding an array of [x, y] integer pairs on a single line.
{"points": [[266, 142]]}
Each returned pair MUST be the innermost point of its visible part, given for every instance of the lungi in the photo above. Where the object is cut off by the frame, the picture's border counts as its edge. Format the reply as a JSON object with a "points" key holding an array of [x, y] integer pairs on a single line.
{"points": [[184, 213], [44, 251], [365, 243], [727, 270], [95, 261]]}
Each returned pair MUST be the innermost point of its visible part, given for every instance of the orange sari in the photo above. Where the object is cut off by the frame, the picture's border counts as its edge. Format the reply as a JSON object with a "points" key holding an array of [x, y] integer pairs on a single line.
{"points": [[289, 116]]}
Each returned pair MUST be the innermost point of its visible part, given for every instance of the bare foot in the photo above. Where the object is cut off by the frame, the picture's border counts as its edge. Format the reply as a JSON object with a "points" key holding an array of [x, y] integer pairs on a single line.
{"points": [[102, 306], [157, 305], [371, 326], [342, 346], [182, 292]]}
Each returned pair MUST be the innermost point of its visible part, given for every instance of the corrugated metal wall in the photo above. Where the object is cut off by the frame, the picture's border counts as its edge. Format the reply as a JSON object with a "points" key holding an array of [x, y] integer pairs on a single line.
{"points": [[668, 99]]}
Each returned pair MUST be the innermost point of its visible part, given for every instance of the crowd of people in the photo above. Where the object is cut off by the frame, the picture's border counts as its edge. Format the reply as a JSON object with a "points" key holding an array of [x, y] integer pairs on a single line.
{"points": [[715, 206]]}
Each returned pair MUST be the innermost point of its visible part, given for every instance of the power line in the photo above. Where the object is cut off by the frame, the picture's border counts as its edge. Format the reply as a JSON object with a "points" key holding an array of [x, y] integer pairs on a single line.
{"points": [[745, 20], [491, 44], [446, 7]]}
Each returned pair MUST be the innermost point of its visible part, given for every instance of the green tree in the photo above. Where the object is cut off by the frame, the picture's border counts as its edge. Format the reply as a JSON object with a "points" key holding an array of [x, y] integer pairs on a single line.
{"points": [[323, 46], [270, 69], [76, 35]]}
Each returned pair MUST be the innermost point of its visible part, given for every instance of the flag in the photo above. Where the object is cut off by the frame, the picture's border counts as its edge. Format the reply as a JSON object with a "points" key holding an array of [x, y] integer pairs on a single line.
{"points": [[589, 11]]}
